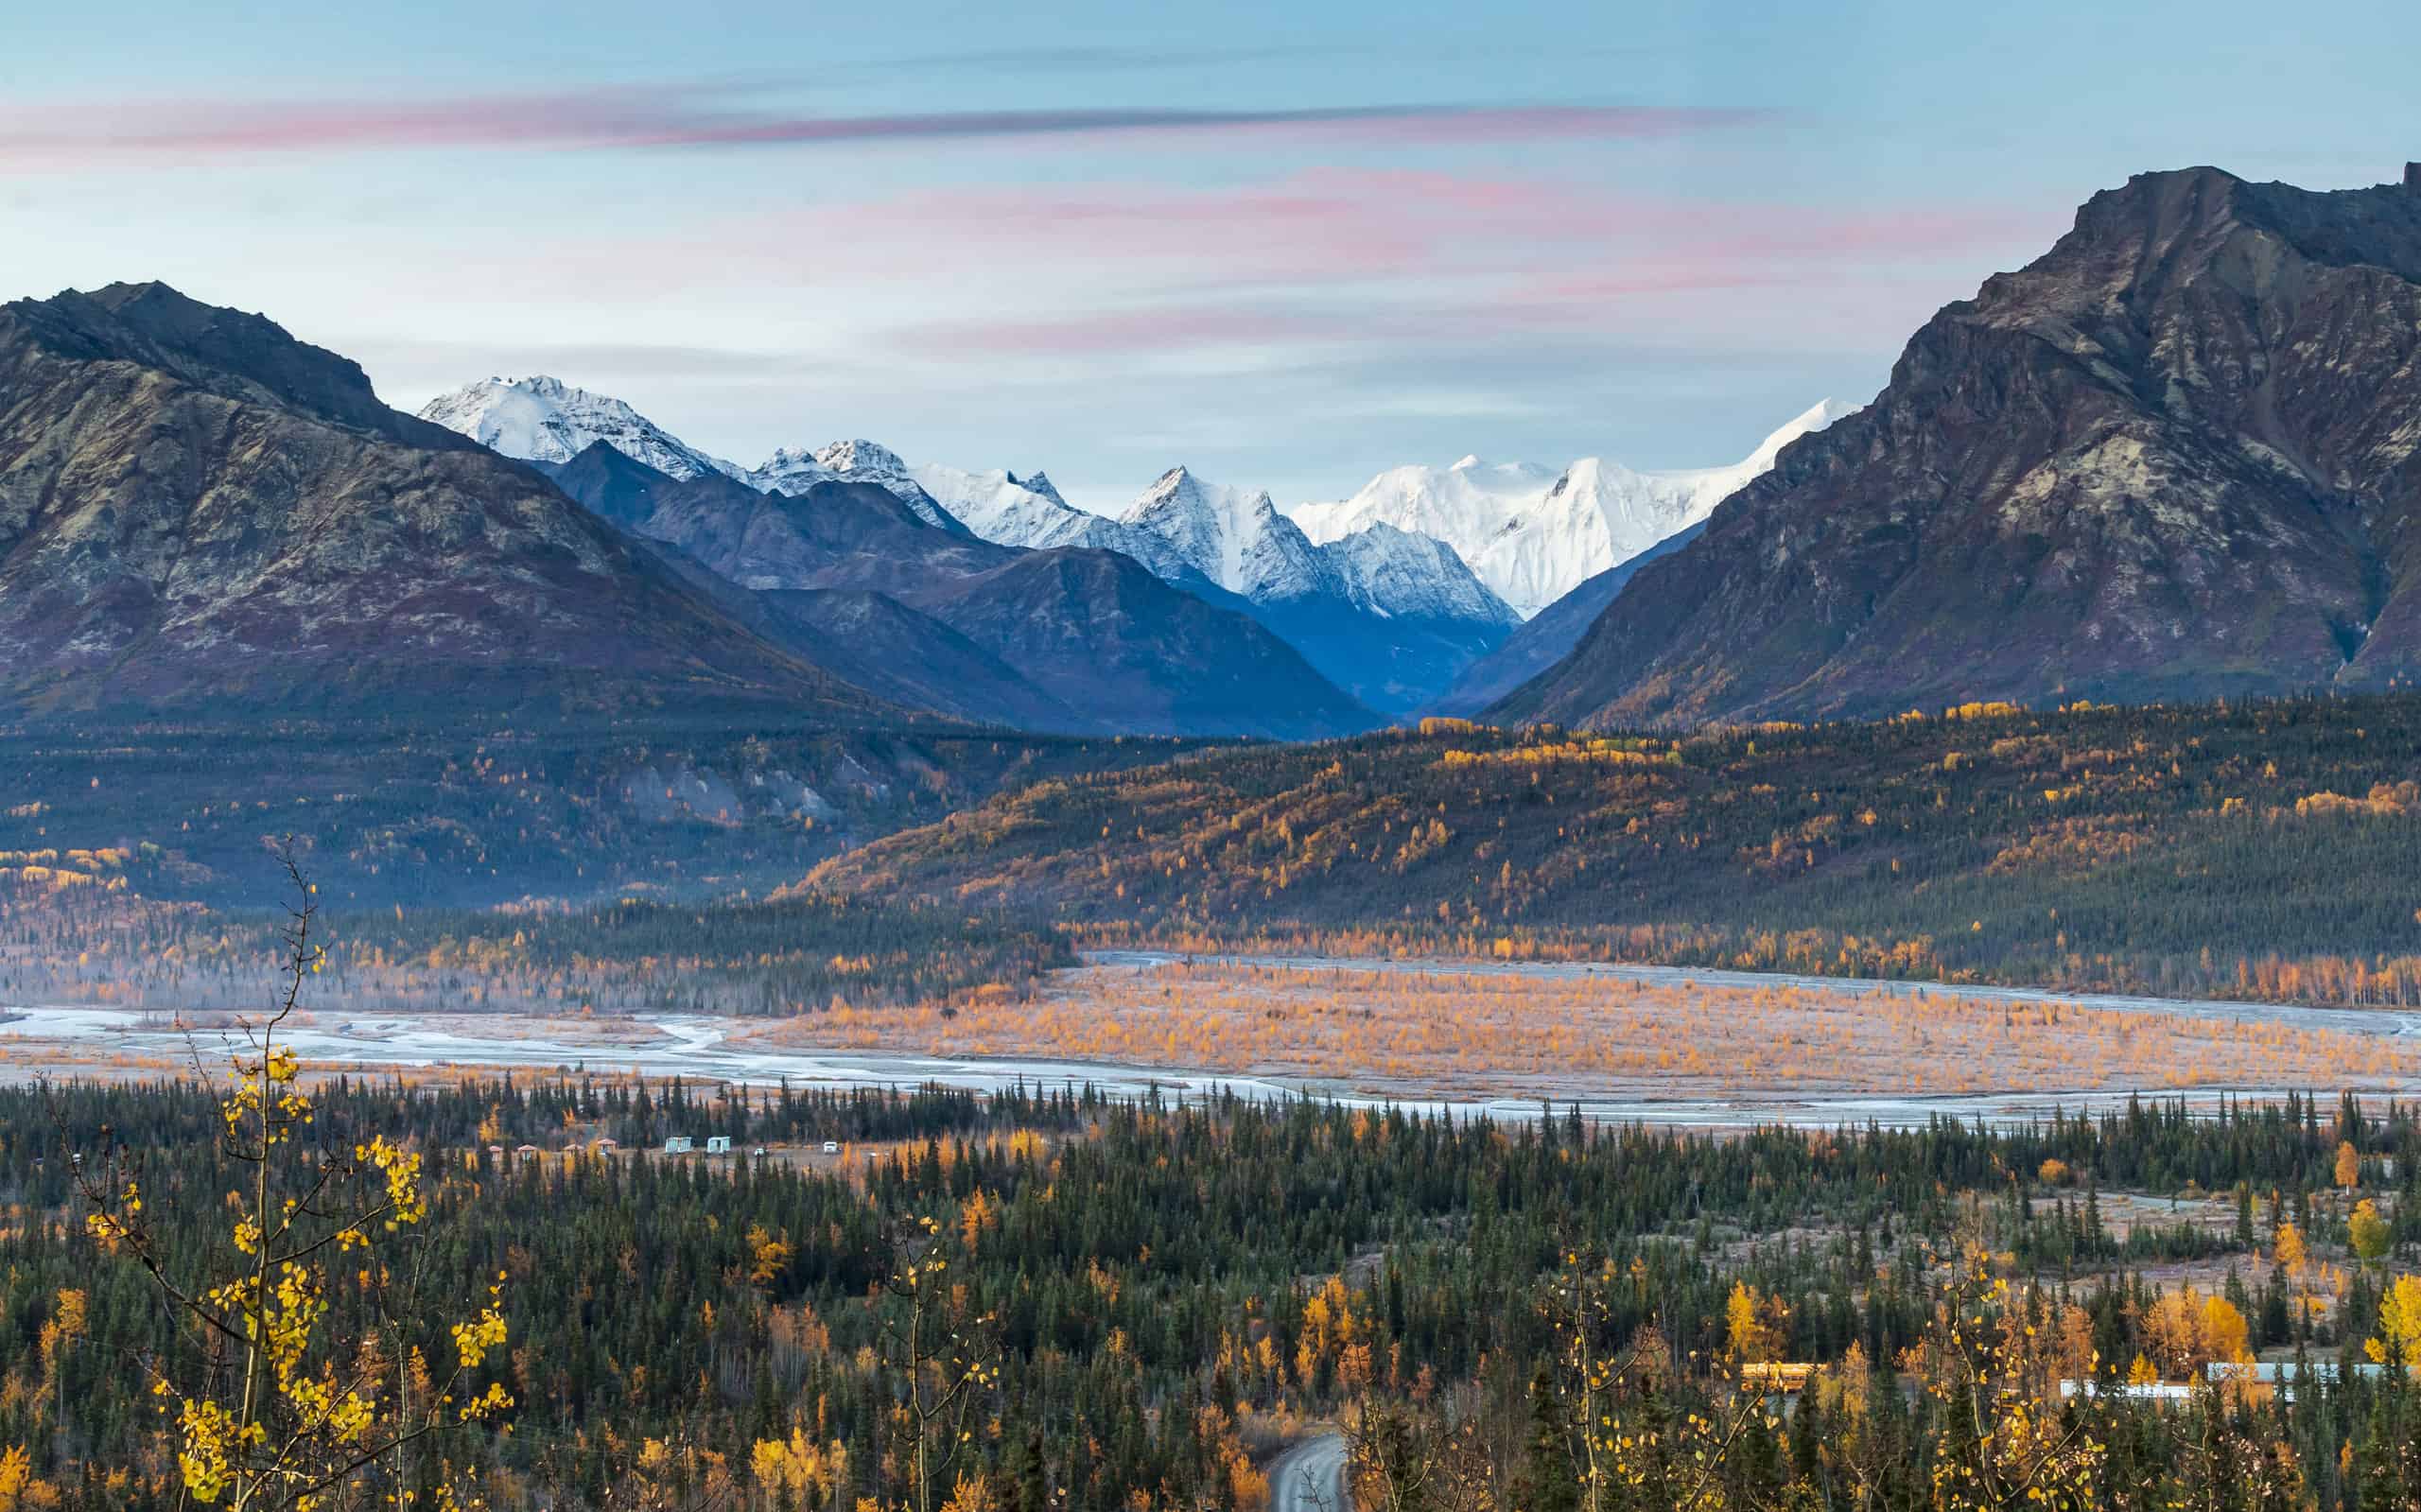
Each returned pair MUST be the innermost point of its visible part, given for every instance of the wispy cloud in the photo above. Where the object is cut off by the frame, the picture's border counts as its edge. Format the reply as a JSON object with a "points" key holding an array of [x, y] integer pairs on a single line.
{"points": [[139, 132], [1324, 257]]}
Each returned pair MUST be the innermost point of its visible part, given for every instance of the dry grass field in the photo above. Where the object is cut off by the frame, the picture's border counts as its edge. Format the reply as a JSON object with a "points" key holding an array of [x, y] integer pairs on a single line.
{"points": [[1514, 1035]]}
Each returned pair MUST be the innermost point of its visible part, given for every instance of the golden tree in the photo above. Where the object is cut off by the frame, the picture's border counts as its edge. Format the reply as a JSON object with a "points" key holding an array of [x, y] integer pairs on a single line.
{"points": [[2399, 1336], [267, 1411], [2000, 1441], [943, 1350]]}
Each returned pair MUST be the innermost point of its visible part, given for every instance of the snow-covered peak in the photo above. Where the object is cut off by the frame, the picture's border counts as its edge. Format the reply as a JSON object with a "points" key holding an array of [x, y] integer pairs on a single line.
{"points": [[794, 470], [1000, 508], [540, 419], [1233, 536], [1807, 423], [1038, 482], [790, 470], [864, 461], [1236, 539], [1400, 575], [1531, 533]]}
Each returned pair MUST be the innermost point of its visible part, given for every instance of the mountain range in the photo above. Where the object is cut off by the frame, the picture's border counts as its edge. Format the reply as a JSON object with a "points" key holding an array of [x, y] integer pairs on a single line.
{"points": [[852, 576], [197, 509], [1533, 535], [1389, 617], [2176, 456]]}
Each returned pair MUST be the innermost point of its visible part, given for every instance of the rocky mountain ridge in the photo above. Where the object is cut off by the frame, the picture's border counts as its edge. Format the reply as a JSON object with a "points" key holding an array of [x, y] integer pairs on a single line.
{"points": [[196, 506], [2176, 456]]}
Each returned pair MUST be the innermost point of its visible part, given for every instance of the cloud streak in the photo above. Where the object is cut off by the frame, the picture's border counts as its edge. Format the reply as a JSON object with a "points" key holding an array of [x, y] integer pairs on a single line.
{"points": [[143, 132]]}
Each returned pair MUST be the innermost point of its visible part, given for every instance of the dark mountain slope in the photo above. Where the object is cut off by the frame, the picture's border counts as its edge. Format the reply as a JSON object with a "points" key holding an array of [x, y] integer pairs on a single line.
{"points": [[1099, 631], [194, 506], [882, 647], [1549, 636], [2174, 457], [832, 535], [910, 657]]}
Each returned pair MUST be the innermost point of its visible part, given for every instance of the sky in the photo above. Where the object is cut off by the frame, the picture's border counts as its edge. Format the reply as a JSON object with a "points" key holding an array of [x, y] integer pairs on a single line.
{"points": [[1286, 243]]}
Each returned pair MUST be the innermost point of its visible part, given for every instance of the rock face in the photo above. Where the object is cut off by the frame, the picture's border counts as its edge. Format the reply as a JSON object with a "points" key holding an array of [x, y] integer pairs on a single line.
{"points": [[2175, 456], [852, 576], [195, 506]]}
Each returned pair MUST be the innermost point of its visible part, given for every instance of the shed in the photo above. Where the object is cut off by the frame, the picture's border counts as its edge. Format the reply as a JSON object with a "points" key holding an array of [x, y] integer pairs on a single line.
{"points": [[718, 1144]]}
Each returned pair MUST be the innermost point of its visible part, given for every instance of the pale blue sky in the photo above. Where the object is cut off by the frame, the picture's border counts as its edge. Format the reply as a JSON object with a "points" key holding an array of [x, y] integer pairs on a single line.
{"points": [[1105, 238]]}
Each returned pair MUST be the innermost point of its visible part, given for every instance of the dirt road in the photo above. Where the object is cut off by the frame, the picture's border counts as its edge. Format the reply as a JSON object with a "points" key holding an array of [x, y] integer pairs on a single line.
{"points": [[1310, 1477]]}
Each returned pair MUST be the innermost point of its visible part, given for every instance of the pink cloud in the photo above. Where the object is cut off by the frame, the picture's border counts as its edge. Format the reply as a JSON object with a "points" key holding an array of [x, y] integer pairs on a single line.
{"points": [[1324, 229], [142, 130], [1398, 256]]}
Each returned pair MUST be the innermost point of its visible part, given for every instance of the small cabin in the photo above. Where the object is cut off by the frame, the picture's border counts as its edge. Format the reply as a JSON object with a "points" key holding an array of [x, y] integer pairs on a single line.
{"points": [[605, 1146], [831, 1147], [2169, 1391], [678, 1144], [525, 1152], [718, 1144], [496, 1152], [1775, 1377]]}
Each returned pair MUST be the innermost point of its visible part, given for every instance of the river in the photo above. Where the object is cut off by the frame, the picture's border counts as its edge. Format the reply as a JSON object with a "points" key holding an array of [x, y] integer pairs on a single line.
{"points": [[37, 1039]]}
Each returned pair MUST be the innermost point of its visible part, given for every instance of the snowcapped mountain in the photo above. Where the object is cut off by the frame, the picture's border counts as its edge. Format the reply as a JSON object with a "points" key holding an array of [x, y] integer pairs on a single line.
{"points": [[1236, 539], [1400, 575], [791, 472], [539, 419], [1533, 536], [1232, 537], [1390, 616], [1009, 511]]}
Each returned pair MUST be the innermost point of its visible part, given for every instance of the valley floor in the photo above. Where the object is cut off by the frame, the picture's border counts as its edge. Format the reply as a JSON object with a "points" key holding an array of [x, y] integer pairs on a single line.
{"points": [[1657, 1044]]}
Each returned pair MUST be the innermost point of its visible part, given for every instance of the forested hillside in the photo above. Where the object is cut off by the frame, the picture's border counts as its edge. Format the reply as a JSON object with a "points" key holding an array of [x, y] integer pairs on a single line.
{"points": [[2265, 848], [1157, 1300], [486, 809]]}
